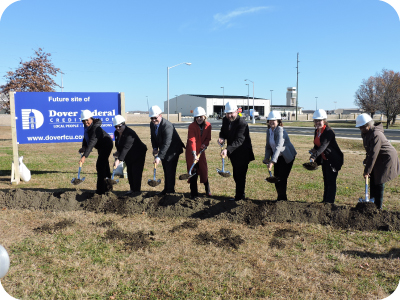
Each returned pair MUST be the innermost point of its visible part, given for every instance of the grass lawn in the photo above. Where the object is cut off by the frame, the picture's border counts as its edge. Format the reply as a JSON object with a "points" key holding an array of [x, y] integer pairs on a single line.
{"points": [[71, 255]]}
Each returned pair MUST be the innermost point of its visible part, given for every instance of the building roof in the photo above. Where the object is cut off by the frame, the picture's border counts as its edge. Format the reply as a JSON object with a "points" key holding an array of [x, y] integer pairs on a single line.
{"points": [[226, 97]]}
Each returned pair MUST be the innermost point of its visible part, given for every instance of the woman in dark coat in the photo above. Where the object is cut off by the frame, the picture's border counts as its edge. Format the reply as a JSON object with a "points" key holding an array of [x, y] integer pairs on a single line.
{"points": [[382, 162], [131, 150], [199, 136], [327, 153], [96, 137]]}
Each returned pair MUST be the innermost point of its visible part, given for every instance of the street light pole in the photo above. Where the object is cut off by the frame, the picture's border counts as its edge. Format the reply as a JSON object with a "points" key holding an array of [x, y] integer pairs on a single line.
{"points": [[254, 120], [186, 63], [223, 99], [176, 103], [271, 98], [148, 108], [248, 104], [316, 103]]}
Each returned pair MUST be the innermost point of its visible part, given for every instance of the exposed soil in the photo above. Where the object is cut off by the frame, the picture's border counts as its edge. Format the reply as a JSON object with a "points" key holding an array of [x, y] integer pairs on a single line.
{"points": [[363, 216]]}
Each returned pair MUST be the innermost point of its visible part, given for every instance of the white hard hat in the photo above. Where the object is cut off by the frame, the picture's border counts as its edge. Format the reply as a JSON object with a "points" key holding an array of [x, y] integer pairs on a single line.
{"points": [[230, 107], [319, 114], [86, 114], [4, 262], [363, 119], [274, 115], [118, 119], [154, 111], [199, 111]]}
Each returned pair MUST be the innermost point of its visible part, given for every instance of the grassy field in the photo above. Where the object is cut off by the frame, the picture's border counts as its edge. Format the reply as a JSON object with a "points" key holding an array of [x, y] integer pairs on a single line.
{"points": [[74, 258]]}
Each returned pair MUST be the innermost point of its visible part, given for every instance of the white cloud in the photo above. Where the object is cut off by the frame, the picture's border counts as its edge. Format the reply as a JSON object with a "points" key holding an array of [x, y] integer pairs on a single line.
{"points": [[227, 18]]}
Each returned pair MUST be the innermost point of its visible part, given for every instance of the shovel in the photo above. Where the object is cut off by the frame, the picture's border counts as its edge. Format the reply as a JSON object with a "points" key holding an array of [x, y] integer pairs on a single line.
{"points": [[272, 179], [111, 181], [189, 175], [311, 166], [366, 193], [222, 172], [76, 181], [153, 182]]}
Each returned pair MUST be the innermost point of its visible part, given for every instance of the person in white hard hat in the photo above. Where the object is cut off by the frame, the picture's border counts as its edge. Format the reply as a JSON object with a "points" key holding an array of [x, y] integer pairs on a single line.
{"points": [[381, 162], [199, 136], [279, 151], [235, 132], [327, 153], [96, 137], [131, 150], [167, 146]]}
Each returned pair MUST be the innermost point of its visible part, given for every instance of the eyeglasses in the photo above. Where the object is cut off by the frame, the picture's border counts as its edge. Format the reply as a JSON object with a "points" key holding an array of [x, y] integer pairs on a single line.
{"points": [[153, 118], [118, 126], [84, 121]]}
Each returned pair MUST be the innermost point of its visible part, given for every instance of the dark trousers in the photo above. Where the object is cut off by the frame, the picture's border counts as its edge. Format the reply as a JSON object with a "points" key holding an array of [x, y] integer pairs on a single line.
{"points": [[376, 191], [170, 173], [282, 171], [193, 183], [135, 172], [103, 165], [240, 166], [329, 182]]}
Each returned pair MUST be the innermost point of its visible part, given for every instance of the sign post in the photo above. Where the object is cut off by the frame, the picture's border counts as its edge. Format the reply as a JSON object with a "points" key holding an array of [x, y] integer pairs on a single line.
{"points": [[15, 176]]}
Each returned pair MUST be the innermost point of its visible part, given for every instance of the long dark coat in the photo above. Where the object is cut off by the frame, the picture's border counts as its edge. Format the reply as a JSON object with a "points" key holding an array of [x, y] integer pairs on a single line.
{"points": [[330, 148], [237, 138], [129, 145], [382, 158]]}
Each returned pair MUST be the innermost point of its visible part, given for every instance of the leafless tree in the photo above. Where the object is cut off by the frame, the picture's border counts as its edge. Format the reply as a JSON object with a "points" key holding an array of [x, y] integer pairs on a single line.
{"points": [[388, 84], [367, 97], [35, 75]]}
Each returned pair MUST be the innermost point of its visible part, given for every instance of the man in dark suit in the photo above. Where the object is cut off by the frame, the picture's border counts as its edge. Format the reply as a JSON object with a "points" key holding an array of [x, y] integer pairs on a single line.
{"points": [[167, 146], [239, 149]]}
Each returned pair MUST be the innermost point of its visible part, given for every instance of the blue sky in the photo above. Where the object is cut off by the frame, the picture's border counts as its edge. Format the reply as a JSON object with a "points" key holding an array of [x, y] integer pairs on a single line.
{"points": [[127, 46]]}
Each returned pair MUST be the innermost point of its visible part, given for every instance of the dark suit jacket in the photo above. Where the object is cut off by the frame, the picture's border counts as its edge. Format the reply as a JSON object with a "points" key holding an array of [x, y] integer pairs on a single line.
{"points": [[167, 141], [129, 145], [237, 139], [97, 138], [330, 148]]}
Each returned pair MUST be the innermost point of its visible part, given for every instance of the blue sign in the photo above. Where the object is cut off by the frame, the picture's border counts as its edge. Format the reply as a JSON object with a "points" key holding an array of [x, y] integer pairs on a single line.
{"points": [[56, 117]]}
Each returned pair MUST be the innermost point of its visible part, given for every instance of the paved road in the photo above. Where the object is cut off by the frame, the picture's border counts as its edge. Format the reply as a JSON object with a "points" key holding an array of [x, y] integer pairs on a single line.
{"points": [[350, 133]]}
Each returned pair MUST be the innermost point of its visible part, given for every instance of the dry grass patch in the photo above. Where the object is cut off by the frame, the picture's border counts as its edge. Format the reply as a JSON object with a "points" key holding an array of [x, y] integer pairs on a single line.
{"points": [[290, 261]]}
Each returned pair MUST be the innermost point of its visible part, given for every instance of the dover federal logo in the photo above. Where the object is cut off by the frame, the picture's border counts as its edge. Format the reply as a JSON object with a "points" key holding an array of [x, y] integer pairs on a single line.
{"points": [[31, 119]]}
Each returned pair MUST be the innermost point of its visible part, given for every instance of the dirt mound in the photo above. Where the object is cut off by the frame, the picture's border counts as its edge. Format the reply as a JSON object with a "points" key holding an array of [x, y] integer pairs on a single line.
{"points": [[364, 216]]}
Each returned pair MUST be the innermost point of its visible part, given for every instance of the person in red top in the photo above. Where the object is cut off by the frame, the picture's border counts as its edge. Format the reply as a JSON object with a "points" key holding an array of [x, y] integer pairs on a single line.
{"points": [[199, 136], [327, 153]]}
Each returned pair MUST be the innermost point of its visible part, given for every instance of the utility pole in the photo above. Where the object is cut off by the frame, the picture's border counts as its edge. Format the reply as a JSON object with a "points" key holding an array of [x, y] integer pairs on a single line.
{"points": [[297, 85]]}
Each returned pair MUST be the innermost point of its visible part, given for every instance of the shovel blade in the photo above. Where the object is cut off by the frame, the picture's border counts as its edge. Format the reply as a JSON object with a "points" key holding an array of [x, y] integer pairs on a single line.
{"points": [[186, 176], [272, 179], [76, 181], [153, 183], [224, 174]]}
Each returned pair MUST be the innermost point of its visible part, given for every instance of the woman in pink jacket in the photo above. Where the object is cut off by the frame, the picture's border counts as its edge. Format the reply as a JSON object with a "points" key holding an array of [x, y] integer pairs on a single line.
{"points": [[199, 136]]}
